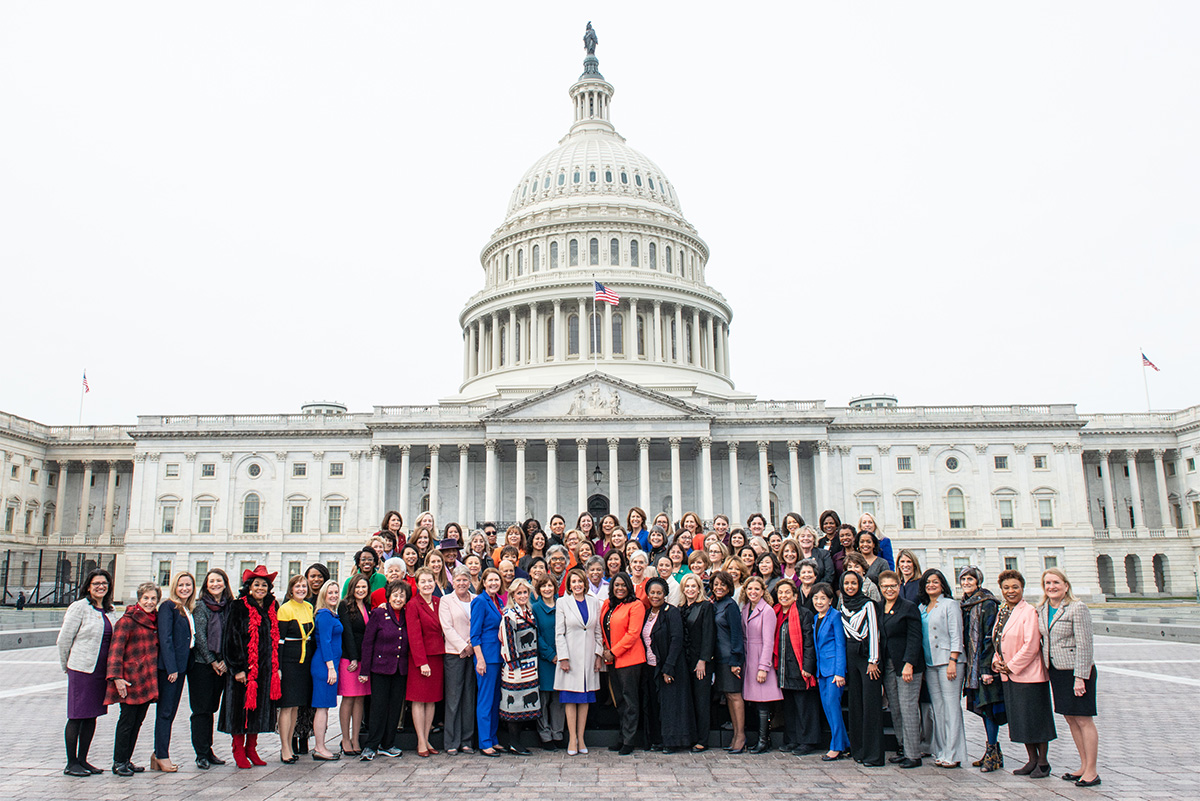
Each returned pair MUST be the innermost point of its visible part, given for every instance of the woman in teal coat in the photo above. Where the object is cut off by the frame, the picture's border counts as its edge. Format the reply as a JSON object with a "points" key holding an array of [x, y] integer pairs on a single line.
{"points": [[550, 723]]}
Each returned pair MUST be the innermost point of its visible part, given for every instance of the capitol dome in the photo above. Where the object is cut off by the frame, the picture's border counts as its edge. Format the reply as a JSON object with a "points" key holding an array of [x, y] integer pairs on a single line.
{"points": [[595, 211]]}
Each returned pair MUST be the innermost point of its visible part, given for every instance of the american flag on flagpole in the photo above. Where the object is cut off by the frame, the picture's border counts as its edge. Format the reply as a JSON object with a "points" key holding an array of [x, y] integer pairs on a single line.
{"points": [[86, 388], [1147, 363], [606, 295]]}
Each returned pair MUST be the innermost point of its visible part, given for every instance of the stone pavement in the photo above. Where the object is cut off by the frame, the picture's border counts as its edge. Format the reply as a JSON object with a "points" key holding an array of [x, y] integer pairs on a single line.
{"points": [[1149, 749]]}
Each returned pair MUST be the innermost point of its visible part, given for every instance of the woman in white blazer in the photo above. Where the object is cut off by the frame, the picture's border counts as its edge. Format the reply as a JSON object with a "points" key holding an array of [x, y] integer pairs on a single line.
{"points": [[454, 613], [580, 647], [83, 653], [941, 625]]}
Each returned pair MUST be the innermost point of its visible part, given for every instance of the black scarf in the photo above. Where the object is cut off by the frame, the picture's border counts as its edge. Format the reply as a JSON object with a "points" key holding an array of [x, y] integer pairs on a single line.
{"points": [[855, 602], [216, 621]]}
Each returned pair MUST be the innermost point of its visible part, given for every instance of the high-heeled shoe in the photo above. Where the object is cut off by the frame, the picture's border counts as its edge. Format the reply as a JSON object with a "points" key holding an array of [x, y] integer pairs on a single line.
{"points": [[164, 765]]}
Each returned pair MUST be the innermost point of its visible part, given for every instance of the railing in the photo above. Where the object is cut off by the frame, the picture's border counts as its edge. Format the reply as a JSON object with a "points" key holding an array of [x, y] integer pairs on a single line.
{"points": [[1142, 419], [90, 433], [225, 421], [1128, 533], [1158, 533], [766, 406], [1137, 533], [976, 411], [1102, 534]]}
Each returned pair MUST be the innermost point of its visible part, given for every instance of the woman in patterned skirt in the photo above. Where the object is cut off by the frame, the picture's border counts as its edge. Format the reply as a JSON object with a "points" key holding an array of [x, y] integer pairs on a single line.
{"points": [[520, 699]]}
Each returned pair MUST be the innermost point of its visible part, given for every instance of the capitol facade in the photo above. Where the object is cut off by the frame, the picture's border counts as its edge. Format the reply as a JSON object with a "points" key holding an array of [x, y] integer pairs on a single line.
{"points": [[567, 405]]}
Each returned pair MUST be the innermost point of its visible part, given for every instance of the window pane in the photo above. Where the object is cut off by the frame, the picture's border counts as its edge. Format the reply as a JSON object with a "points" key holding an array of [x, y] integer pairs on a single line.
{"points": [[594, 252], [297, 520], [633, 253], [653, 256], [908, 515], [573, 335], [168, 526], [641, 334], [614, 252], [957, 506], [574, 253], [335, 519], [667, 261], [1046, 512], [250, 514], [553, 255], [204, 520], [550, 337], [536, 260], [618, 335]]}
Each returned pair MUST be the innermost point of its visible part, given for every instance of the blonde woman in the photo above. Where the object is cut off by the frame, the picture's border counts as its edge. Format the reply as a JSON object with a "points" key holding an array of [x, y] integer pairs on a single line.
{"points": [[176, 636], [520, 700], [326, 659], [700, 644]]}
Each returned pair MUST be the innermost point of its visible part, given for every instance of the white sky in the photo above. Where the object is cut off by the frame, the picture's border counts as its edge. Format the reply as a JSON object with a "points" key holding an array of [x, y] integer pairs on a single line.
{"points": [[240, 206]]}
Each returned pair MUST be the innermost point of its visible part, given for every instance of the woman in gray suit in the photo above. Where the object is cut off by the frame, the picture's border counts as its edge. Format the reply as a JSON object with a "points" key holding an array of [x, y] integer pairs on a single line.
{"points": [[580, 648], [941, 624], [1066, 628]]}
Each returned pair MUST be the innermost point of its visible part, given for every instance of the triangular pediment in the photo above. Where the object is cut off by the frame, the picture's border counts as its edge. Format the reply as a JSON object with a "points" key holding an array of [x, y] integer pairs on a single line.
{"points": [[597, 396]]}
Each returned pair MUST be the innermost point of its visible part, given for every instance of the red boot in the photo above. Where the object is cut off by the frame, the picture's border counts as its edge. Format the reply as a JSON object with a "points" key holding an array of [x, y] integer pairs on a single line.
{"points": [[252, 749], [239, 751]]}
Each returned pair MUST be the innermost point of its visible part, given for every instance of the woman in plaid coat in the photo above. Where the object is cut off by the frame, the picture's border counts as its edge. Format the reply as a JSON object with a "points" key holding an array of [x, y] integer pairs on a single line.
{"points": [[132, 673]]}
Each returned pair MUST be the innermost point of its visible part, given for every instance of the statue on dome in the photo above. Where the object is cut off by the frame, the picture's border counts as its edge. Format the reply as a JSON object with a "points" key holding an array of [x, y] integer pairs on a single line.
{"points": [[590, 40]]}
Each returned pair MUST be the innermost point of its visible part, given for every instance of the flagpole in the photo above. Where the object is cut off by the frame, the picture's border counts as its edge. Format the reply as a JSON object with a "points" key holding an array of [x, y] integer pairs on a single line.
{"points": [[1145, 381], [595, 333], [81, 393]]}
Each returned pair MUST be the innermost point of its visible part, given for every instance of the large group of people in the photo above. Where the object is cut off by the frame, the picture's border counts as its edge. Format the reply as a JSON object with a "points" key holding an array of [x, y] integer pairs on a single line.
{"points": [[667, 623]]}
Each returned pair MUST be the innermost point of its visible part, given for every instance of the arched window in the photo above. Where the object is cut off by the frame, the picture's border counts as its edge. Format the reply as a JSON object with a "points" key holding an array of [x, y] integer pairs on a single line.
{"points": [[576, 176], [592, 176], [594, 252], [595, 327], [957, 506], [250, 509], [573, 253], [562, 178], [641, 335], [668, 259], [520, 262], [614, 252], [608, 176], [637, 179], [536, 260], [681, 263], [553, 255], [618, 335], [624, 178], [651, 180], [546, 183], [653, 254], [550, 337], [507, 273], [517, 340], [633, 253], [572, 335]]}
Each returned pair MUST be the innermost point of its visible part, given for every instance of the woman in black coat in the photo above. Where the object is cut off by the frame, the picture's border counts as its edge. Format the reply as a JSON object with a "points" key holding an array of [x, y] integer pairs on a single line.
{"points": [[903, 659], [251, 652], [674, 725], [699, 648], [796, 667]]}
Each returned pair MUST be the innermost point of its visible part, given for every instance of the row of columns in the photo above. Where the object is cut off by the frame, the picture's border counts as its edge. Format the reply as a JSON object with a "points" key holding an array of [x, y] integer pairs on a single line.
{"points": [[1135, 489], [81, 518], [483, 345]]}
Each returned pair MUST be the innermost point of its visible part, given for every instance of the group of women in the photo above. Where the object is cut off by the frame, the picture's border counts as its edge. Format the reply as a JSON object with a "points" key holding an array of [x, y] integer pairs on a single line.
{"points": [[532, 627]]}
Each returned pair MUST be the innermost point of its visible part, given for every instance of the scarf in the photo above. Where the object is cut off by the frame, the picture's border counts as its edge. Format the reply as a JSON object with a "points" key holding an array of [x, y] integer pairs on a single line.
{"points": [[854, 602], [1001, 621], [252, 647], [977, 609], [795, 637], [302, 614], [215, 631]]}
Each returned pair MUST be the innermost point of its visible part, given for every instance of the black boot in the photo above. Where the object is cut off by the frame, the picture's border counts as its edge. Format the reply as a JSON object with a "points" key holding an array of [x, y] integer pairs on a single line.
{"points": [[764, 731]]}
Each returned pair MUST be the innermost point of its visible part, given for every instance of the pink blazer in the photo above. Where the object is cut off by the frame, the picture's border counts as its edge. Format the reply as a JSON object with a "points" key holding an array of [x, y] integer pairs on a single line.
{"points": [[1021, 644], [456, 624]]}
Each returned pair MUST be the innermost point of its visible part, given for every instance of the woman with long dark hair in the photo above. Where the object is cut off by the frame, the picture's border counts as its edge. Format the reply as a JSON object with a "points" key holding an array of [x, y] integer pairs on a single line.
{"points": [[206, 676], [83, 646], [941, 619], [251, 649], [354, 611]]}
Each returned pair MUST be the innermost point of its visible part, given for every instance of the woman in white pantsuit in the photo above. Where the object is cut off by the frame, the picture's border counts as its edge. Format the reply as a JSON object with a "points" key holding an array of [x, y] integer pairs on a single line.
{"points": [[580, 648], [941, 622]]}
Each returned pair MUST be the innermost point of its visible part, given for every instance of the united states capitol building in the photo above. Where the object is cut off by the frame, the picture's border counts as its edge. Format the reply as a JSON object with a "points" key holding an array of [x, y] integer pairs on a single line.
{"points": [[568, 405]]}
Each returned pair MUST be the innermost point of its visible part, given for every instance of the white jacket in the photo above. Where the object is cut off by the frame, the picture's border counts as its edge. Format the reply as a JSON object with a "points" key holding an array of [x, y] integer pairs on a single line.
{"points": [[80, 637]]}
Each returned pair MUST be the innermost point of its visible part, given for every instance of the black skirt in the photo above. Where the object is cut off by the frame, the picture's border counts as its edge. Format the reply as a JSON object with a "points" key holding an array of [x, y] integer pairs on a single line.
{"points": [[1030, 719], [296, 685], [1066, 702], [724, 681]]}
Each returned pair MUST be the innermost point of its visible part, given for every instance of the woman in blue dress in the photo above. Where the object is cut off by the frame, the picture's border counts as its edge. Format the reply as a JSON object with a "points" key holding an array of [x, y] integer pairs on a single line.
{"points": [[324, 666]]}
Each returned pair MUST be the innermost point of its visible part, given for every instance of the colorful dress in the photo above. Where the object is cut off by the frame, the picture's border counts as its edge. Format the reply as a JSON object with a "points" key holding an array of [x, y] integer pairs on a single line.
{"points": [[519, 695]]}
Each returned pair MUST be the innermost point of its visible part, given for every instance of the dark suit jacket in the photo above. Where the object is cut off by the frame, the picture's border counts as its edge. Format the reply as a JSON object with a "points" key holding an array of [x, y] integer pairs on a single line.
{"points": [[174, 638], [353, 629], [666, 641], [699, 633], [902, 638]]}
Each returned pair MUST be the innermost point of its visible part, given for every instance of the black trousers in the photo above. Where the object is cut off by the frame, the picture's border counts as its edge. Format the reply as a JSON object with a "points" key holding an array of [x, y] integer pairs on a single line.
{"points": [[701, 690], [128, 726], [387, 699], [802, 717], [864, 696], [204, 695], [625, 688], [651, 711]]}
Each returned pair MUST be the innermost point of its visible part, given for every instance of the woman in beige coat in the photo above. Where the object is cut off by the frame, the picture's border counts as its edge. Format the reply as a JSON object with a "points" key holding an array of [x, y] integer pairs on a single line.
{"points": [[580, 648], [455, 616]]}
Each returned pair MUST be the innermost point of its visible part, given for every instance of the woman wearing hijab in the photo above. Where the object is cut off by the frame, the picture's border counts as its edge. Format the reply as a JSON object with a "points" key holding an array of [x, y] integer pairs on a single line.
{"points": [[985, 696], [251, 648], [206, 676], [864, 685]]}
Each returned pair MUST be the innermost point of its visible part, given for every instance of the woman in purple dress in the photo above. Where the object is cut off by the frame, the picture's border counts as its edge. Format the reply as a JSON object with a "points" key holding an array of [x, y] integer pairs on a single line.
{"points": [[83, 652]]}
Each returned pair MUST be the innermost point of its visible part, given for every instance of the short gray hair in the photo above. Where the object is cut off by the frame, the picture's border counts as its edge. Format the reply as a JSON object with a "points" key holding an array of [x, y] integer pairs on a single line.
{"points": [[395, 561]]}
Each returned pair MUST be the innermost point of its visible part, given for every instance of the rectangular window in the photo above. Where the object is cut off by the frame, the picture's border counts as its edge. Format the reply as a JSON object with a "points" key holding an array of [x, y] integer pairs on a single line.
{"points": [[1170, 469], [9, 514], [1049, 562], [908, 515], [297, 520], [117, 480], [204, 519], [293, 569], [573, 335], [1001, 462], [52, 480], [868, 508], [335, 520], [1046, 512], [208, 470], [164, 573], [201, 571], [1191, 465], [15, 472], [1196, 513], [1010, 563], [904, 464], [299, 470], [245, 565], [864, 464], [91, 481], [332, 564], [1039, 462], [594, 252], [553, 255], [337, 469], [33, 475], [634, 256], [614, 252], [1126, 469], [168, 526], [960, 562], [574, 253], [1006, 513], [1099, 472], [172, 470], [28, 521], [957, 506]]}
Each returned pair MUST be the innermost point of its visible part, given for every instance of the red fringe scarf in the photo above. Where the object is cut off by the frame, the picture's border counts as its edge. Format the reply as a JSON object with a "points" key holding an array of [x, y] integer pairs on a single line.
{"points": [[252, 655]]}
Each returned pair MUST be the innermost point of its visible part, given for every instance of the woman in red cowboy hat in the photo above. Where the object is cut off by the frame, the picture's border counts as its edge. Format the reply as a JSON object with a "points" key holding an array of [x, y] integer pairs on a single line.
{"points": [[252, 658]]}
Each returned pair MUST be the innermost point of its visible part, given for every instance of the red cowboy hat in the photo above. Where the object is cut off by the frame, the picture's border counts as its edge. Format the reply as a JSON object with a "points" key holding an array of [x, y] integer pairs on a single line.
{"points": [[258, 572]]}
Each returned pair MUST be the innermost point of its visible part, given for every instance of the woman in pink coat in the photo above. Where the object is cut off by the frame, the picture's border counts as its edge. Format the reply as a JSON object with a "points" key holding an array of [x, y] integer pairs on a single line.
{"points": [[759, 682], [1018, 660]]}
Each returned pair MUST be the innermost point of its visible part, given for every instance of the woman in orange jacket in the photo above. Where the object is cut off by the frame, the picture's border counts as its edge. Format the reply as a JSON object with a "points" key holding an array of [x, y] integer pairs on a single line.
{"points": [[621, 621]]}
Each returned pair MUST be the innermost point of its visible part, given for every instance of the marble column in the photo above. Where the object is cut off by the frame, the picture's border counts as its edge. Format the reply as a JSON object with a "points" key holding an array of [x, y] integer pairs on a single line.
{"points": [[695, 360], [725, 346], [1106, 484], [581, 458], [585, 331], [481, 348], [406, 510], [489, 481], [735, 494], [1164, 500], [494, 362], [61, 500], [764, 479], [536, 349], [510, 339], [656, 337], [110, 495], [676, 481], [614, 504], [644, 472], [374, 496], [1135, 491], [706, 487], [718, 351], [632, 335], [822, 482], [466, 353], [709, 360], [680, 352], [434, 454], [560, 347], [519, 502], [84, 492], [793, 447], [6, 458], [464, 453], [551, 480]]}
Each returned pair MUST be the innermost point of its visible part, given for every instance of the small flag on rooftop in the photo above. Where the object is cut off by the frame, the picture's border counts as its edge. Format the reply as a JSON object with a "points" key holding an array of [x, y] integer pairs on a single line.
{"points": [[86, 388], [1147, 363]]}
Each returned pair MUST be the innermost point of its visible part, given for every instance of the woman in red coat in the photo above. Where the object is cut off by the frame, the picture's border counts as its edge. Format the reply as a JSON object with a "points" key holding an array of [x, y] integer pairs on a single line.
{"points": [[133, 673], [426, 647]]}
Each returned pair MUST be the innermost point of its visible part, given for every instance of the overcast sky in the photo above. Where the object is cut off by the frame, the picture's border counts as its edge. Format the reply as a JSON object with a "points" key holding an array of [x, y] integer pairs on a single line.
{"points": [[241, 206]]}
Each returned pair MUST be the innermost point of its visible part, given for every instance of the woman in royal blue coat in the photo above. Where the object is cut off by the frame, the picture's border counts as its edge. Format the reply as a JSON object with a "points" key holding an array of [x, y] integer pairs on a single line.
{"points": [[485, 637], [325, 664], [830, 639]]}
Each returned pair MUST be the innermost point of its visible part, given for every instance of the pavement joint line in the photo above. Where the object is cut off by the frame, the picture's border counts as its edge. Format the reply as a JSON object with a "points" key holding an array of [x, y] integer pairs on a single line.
{"points": [[33, 688], [1158, 676]]}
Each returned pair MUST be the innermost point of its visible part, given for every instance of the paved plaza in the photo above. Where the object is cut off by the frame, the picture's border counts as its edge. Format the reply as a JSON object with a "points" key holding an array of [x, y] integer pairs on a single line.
{"points": [[1149, 749]]}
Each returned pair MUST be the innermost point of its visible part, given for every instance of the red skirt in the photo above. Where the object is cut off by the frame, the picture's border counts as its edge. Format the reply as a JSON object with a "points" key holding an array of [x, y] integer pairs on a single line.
{"points": [[425, 689]]}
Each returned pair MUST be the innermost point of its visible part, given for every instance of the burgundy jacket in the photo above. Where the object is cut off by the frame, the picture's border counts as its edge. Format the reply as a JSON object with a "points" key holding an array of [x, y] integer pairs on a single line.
{"points": [[426, 640]]}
